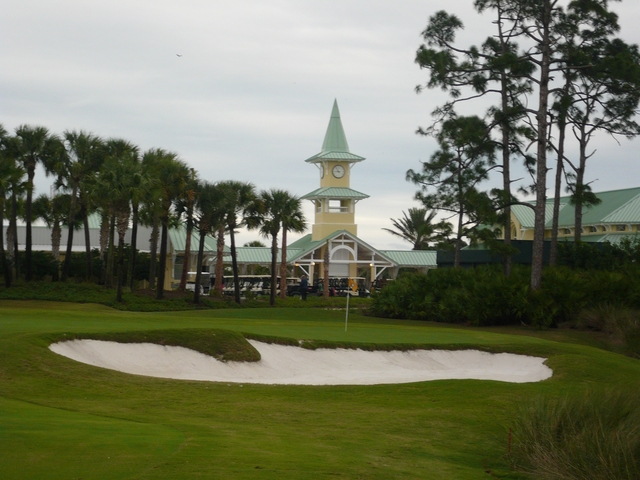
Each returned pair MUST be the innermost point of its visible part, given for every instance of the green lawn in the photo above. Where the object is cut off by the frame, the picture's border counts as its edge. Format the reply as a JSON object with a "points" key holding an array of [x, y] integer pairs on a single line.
{"points": [[62, 419]]}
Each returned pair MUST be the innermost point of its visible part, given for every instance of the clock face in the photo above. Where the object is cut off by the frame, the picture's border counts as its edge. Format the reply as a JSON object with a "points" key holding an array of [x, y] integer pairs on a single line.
{"points": [[338, 171]]}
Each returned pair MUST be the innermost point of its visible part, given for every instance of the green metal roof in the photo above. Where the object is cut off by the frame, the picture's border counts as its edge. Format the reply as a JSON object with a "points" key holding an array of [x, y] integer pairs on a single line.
{"points": [[262, 255], [613, 238], [305, 245], [412, 258], [526, 215], [334, 192], [335, 140], [344, 156], [617, 206], [335, 146], [178, 238], [627, 213]]}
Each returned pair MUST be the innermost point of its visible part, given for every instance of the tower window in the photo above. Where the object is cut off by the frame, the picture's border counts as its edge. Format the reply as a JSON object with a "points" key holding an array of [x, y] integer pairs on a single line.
{"points": [[337, 206]]}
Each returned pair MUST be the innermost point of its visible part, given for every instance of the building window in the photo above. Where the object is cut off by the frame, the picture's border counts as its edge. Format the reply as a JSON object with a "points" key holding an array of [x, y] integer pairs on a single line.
{"points": [[621, 228], [567, 231], [593, 229]]}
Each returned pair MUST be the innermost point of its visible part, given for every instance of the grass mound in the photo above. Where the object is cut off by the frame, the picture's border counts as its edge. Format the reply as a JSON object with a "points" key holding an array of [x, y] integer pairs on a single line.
{"points": [[592, 436], [223, 345]]}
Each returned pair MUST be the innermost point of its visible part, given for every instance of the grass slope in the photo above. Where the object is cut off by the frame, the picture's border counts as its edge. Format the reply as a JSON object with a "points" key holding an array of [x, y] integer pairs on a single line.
{"points": [[63, 419]]}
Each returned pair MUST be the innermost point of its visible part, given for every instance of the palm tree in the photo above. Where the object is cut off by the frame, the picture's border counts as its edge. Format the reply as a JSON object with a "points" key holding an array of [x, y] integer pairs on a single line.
{"points": [[418, 228], [54, 212], [142, 194], [151, 209], [121, 177], [239, 199], [173, 176], [84, 154], [267, 216], [10, 178], [185, 205], [36, 146], [292, 220], [211, 213], [254, 243]]}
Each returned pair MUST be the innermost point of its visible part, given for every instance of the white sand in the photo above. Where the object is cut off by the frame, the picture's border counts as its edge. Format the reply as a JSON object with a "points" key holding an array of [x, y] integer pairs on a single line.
{"points": [[299, 366]]}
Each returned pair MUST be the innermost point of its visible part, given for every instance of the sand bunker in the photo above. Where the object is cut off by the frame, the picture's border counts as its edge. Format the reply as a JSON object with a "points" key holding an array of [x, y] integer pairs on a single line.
{"points": [[298, 366]]}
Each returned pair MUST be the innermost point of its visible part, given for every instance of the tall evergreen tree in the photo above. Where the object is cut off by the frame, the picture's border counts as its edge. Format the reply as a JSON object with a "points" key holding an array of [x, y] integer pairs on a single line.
{"points": [[449, 180]]}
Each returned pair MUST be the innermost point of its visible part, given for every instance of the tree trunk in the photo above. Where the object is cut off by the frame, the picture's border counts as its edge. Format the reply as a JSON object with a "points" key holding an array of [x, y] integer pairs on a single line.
{"points": [[553, 253], [274, 277], [579, 188], [133, 256], [29, 240], [104, 244], [163, 256], [187, 252], [6, 269], [196, 293], [219, 279], [123, 224], [537, 255], [120, 267], [458, 247], [283, 265], [153, 260], [72, 225], [506, 157], [12, 236], [87, 247], [111, 251], [325, 271], [234, 264], [56, 236]]}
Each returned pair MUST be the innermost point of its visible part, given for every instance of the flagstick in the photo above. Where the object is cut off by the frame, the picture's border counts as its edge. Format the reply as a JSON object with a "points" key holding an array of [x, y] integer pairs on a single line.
{"points": [[346, 319]]}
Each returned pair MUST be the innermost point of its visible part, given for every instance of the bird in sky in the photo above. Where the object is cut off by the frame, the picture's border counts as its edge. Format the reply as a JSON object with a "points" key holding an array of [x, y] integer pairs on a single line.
{"points": [[178, 55]]}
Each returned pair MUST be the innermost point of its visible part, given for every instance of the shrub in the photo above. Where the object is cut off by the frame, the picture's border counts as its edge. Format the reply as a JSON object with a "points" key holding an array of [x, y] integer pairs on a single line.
{"points": [[484, 296], [591, 436]]}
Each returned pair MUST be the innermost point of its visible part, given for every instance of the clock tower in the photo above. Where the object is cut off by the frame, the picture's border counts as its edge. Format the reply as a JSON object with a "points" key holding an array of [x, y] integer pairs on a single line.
{"points": [[334, 202]]}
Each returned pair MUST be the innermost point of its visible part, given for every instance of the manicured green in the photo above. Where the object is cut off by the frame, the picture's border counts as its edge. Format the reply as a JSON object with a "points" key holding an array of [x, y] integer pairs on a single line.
{"points": [[63, 419]]}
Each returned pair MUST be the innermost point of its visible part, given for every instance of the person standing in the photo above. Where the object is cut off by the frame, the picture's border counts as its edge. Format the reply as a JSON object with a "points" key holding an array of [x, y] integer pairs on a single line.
{"points": [[304, 286]]}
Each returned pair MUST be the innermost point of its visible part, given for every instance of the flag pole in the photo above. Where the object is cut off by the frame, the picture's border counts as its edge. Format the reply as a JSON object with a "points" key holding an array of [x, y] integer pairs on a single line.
{"points": [[346, 318]]}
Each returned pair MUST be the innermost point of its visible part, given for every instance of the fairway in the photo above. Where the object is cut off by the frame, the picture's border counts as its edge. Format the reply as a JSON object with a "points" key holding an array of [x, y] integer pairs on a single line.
{"points": [[64, 419]]}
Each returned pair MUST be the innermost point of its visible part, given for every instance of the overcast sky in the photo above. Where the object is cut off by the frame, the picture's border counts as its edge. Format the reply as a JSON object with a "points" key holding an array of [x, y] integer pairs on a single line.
{"points": [[243, 90]]}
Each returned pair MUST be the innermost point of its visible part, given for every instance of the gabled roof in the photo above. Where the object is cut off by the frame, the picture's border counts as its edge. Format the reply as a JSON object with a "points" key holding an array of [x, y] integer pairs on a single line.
{"points": [[178, 239], [335, 146], [262, 255], [526, 216], [306, 245], [617, 206], [412, 258], [334, 192]]}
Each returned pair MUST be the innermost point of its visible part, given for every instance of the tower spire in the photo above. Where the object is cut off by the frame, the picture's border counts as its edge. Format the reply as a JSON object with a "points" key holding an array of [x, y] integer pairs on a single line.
{"points": [[335, 140]]}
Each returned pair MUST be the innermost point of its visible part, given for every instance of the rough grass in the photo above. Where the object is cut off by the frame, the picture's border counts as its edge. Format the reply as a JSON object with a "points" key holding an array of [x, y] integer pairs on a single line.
{"points": [[619, 325], [595, 436]]}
